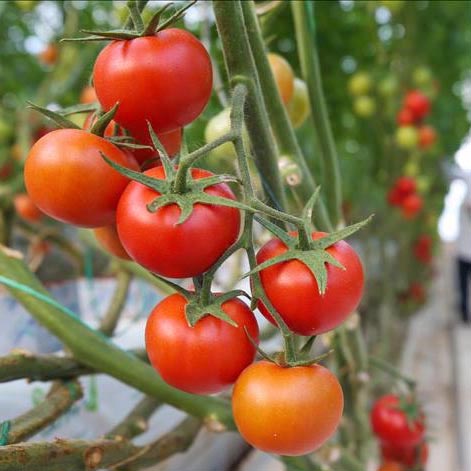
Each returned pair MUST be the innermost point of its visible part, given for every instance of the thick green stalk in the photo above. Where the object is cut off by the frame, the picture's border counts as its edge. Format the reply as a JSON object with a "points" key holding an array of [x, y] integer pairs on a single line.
{"points": [[279, 120], [241, 68], [94, 350], [308, 57]]}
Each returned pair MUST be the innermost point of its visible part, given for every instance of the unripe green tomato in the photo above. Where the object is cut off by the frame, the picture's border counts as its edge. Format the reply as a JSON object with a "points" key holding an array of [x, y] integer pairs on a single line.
{"points": [[411, 169], [422, 76], [218, 126], [359, 84], [5, 130], [407, 137], [423, 184], [298, 108], [394, 6], [388, 86], [364, 106]]}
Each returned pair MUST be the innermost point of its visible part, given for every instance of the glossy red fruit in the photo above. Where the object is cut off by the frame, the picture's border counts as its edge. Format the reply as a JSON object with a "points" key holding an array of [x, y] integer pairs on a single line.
{"points": [[206, 358], [67, 178], [427, 136], [292, 289], [418, 104], [406, 186], [158, 243], [392, 425], [165, 78], [411, 206], [406, 455], [405, 117]]}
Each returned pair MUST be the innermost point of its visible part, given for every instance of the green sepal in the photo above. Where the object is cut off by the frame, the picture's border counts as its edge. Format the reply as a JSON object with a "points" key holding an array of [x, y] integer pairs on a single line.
{"points": [[262, 353], [102, 122], [129, 145], [334, 237], [161, 186], [194, 311], [309, 208], [314, 259], [176, 16], [153, 23], [169, 169], [311, 361], [277, 231], [179, 289], [306, 348], [81, 108], [203, 183], [60, 120], [117, 34]]}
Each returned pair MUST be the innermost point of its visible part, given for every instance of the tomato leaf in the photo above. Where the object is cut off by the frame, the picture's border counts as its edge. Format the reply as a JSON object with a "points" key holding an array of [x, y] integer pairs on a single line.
{"points": [[160, 186], [334, 237], [60, 120]]}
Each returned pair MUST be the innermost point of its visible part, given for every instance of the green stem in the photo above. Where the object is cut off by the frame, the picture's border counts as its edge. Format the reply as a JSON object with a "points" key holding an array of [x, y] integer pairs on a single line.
{"points": [[281, 124], [391, 370], [241, 68], [94, 350], [308, 57]]}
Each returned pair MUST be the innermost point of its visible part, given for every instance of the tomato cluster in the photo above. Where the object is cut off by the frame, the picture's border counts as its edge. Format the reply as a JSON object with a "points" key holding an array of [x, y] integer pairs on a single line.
{"points": [[198, 341], [404, 195], [399, 426]]}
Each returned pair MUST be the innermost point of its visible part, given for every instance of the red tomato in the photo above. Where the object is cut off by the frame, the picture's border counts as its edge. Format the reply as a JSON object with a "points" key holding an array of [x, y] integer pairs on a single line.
{"points": [[203, 359], [390, 466], [406, 185], [49, 55], [408, 456], [422, 248], [158, 243], [391, 425], [67, 178], [427, 136], [108, 238], [394, 196], [411, 206], [293, 290], [418, 104], [287, 411], [405, 117], [166, 79], [26, 209]]}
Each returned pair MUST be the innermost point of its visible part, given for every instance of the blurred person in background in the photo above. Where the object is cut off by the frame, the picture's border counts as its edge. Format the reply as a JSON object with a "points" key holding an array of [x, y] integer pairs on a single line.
{"points": [[464, 249]]}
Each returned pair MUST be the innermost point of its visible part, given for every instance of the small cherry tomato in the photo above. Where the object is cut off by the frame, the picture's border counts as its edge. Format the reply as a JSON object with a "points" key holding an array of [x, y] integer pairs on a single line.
{"points": [[407, 137], [406, 185], [406, 455], [360, 84], [391, 424], [292, 289], [418, 104], [299, 108], [411, 206], [405, 117], [158, 243], [67, 178], [422, 249], [165, 78], [364, 106], [108, 238], [287, 410], [427, 136], [88, 95], [49, 55], [284, 76], [26, 209], [203, 359]]}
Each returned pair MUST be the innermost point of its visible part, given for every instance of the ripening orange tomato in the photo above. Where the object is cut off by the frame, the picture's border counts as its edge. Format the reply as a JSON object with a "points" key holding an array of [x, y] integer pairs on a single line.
{"points": [[26, 209], [108, 238], [284, 76]]}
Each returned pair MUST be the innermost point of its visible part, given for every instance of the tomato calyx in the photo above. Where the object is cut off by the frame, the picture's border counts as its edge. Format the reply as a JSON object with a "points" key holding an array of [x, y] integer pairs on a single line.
{"points": [[137, 28], [196, 309]]}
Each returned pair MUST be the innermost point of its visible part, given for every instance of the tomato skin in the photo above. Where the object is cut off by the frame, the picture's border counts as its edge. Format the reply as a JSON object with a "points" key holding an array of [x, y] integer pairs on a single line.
{"points": [[88, 95], [287, 411], [166, 79], [405, 117], [108, 238], [392, 426], [406, 185], [158, 243], [206, 358], [26, 209], [411, 206], [360, 84], [422, 249], [299, 107], [427, 136], [293, 290], [390, 466], [364, 106], [408, 456], [49, 55], [407, 137], [418, 104], [284, 76], [67, 178]]}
